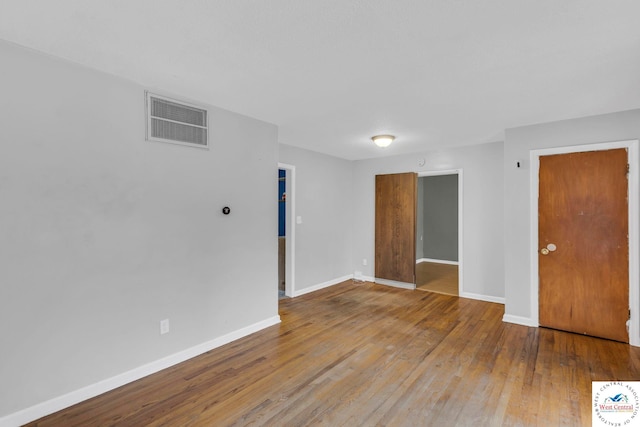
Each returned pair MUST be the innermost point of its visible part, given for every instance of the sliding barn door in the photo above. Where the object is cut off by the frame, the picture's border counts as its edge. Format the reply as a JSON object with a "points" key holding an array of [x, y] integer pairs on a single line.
{"points": [[396, 201], [584, 246]]}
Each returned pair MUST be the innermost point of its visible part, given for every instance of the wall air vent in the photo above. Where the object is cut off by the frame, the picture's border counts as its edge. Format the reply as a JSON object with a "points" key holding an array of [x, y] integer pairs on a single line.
{"points": [[176, 122]]}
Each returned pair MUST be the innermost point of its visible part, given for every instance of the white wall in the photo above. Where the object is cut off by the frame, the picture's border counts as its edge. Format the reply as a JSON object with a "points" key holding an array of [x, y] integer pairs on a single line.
{"points": [[103, 234], [482, 252], [323, 199], [519, 141]]}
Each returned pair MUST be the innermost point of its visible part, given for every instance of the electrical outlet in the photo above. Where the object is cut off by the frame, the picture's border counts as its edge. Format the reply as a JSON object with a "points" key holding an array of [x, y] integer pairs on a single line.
{"points": [[364, 261], [164, 326]]}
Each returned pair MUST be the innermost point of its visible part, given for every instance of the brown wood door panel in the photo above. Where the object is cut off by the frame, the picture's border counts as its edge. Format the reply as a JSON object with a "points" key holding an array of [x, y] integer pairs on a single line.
{"points": [[583, 211], [395, 244]]}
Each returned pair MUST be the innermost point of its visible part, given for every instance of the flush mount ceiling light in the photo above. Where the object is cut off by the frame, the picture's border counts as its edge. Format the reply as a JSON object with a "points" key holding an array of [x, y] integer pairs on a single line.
{"points": [[383, 141]]}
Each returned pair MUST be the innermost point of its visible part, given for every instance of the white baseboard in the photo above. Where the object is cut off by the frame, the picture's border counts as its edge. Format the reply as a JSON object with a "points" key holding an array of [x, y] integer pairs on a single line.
{"points": [[395, 284], [437, 261], [56, 404], [518, 320], [481, 297], [323, 285]]}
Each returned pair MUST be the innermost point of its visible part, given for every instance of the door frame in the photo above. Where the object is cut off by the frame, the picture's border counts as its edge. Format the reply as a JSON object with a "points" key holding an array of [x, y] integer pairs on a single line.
{"points": [[633, 213], [290, 229], [460, 221]]}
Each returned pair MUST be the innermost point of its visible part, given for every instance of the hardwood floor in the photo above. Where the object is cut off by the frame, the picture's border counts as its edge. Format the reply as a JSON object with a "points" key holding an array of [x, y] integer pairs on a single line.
{"points": [[437, 277], [364, 354]]}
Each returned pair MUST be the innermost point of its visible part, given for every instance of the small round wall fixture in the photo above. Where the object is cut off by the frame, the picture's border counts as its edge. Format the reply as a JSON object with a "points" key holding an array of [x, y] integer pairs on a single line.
{"points": [[383, 141], [226, 210]]}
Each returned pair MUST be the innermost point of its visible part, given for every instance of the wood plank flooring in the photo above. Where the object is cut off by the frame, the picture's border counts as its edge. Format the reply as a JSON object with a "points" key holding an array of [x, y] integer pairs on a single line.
{"points": [[437, 277], [360, 354]]}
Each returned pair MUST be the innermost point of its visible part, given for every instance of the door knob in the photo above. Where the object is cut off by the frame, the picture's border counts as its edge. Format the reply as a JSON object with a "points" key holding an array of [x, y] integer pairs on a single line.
{"points": [[550, 248]]}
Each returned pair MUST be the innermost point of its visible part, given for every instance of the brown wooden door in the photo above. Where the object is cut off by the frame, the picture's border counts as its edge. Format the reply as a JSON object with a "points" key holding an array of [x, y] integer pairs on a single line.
{"points": [[396, 201], [584, 282]]}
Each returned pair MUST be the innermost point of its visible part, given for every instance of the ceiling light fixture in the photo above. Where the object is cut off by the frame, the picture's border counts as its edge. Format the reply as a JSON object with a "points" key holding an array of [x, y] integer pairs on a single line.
{"points": [[383, 141]]}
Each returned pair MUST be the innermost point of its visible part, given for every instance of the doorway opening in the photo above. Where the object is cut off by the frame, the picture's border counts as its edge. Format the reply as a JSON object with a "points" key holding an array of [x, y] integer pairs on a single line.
{"points": [[439, 232], [282, 233], [286, 230]]}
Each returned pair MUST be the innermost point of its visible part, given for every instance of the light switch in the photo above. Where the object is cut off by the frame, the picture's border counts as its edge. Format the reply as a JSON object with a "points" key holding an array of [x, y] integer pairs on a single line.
{"points": [[298, 220]]}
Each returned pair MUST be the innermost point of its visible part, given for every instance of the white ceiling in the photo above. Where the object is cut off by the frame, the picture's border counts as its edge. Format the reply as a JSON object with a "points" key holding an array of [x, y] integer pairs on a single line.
{"points": [[333, 73]]}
